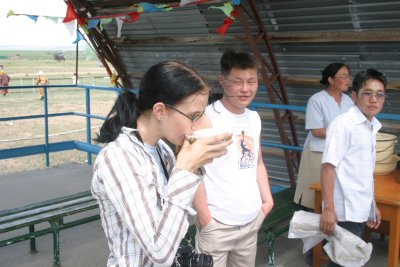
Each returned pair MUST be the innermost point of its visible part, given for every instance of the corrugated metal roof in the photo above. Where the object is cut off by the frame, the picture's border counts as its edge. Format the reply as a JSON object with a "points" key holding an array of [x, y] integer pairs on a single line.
{"points": [[320, 32]]}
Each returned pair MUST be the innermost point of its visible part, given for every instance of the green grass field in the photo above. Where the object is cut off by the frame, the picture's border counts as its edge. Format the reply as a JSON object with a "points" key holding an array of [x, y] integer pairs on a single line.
{"points": [[24, 102], [23, 66]]}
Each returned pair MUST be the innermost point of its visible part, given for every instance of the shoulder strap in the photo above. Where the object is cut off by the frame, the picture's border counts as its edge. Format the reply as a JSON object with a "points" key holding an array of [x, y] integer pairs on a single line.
{"points": [[162, 163]]}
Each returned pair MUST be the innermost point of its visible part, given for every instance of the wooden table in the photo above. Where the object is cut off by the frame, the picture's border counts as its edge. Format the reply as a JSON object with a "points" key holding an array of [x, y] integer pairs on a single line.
{"points": [[387, 197]]}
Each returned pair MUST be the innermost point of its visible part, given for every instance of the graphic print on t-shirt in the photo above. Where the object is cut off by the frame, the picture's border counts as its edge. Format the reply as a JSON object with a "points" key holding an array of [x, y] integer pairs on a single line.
{"points": [[245, 145]]}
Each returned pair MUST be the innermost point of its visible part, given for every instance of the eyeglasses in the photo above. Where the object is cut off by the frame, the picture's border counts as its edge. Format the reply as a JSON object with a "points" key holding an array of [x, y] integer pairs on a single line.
{"points": [[240, 83], [192, 118], [378, 96], [344, 77]]}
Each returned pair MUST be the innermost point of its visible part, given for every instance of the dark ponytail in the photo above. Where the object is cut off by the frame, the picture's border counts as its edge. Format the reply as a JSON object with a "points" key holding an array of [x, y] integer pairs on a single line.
{"points": [[123, 113], [330, 71], [168, 82]]}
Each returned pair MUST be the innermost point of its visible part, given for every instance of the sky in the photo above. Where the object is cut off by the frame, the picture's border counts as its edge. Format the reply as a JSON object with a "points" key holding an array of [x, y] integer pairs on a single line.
{"points": [[21, 31]]}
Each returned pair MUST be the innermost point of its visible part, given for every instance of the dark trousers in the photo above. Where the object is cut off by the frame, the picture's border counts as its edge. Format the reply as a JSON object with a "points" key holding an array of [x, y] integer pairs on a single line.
{"points": [[353, 227]]}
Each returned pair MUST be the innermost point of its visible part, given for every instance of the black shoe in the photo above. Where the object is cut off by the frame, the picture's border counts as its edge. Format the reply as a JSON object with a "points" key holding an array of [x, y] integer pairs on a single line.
{"points": [[41, 98]]}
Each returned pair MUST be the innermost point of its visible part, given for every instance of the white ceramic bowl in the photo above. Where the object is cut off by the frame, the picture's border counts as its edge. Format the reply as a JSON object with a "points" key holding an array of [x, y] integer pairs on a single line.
{"points": [[383, 168], [384, 155], [384, 146], [199, 134]]}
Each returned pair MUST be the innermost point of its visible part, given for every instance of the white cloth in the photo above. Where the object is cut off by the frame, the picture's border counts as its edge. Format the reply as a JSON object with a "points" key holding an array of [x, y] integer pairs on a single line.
{"points": [[320, 112], [350, 147], [343, 247], [230, 181]]}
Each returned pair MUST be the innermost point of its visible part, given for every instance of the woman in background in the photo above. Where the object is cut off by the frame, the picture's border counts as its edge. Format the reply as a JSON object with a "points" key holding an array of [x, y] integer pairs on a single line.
{"points": [[321, 109]]}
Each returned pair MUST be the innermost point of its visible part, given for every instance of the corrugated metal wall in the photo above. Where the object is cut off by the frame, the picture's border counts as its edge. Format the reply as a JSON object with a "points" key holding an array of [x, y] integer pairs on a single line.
{"points": [[166, 36]]}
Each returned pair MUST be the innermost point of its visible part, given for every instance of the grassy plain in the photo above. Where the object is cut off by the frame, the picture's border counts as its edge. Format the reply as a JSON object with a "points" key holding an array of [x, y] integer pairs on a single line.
{"points": [[23, 102], [23, 66]]}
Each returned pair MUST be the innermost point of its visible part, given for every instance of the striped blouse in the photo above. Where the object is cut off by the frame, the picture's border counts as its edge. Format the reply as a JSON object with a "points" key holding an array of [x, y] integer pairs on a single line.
{"points": [[142, 228]]}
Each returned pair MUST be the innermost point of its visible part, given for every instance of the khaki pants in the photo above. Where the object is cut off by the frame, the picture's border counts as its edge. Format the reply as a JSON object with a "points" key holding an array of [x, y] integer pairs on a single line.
{"points": [[230, 245], [309, 173]]}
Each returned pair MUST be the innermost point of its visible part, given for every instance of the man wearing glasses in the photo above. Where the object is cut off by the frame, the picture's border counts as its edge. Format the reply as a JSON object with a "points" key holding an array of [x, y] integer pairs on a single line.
{"points": [[235, 197], [349, 157]]}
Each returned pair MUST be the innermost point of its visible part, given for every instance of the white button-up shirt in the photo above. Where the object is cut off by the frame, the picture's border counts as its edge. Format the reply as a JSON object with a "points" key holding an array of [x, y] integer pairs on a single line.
{"points": [[350, 147], [321, 110]]}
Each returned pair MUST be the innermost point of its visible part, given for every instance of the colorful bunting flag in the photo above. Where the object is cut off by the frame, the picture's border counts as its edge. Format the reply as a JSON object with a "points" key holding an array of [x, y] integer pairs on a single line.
{"points": [[222, 30], [79, 37], [147, 7], [231, 14], [32, 17], [227, 8], [89, 23], [134, 16], [53, 19], [71, 15], [104, 22], [120, 22], [10, 13], [71, 27], [92, 23]]}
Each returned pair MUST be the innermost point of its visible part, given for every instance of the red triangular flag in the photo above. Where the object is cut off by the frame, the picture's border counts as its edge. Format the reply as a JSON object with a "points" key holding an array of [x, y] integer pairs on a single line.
{"points": [[234, 14], [134, 16], [222, 30], [71, 14]]}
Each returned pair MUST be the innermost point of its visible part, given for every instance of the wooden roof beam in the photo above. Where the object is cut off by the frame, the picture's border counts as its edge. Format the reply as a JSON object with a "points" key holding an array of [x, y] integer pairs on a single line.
{"points": [[335, 37]]}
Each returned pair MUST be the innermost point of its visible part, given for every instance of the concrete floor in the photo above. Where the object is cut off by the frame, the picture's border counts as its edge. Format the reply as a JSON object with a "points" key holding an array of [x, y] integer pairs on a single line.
{"points": [[85, 245]]}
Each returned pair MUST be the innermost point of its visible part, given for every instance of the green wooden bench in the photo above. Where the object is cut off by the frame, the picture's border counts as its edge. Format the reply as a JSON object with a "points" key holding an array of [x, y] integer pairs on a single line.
{"points": [[53, 211], [277, 222]]}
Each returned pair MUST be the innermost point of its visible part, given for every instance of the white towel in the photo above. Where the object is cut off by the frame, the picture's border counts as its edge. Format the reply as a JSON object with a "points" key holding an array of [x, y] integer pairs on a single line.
{"points": [[343, 247]]}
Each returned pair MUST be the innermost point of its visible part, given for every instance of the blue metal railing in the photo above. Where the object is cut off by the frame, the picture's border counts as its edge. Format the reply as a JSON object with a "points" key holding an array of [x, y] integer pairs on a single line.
{"points": [[257, 105], [88, 147], [48, 147]]}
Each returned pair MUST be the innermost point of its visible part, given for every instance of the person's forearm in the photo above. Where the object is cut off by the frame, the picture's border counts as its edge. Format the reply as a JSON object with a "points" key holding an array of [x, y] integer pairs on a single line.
{"points": [[263, 183], [201, 206], [327, 184], [320, 133]]}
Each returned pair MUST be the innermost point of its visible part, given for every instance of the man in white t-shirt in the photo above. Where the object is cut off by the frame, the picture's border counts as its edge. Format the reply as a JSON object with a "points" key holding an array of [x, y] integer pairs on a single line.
{"points": [[235, 196], [349, 158]]}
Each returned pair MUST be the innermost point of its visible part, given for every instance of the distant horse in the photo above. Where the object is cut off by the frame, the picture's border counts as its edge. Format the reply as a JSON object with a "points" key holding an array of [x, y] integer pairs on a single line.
{"points": [[59, 57]]}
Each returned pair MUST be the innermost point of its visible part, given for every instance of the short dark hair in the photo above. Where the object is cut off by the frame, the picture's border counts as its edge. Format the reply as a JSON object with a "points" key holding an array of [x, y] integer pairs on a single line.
{"points": [[238, 60], [330, 71], [363, 76]]}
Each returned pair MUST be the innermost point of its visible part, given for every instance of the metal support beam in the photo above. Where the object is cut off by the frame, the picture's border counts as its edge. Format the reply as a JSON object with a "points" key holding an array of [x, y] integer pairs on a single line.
{"points": [[271, 77], [103, 45]]}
